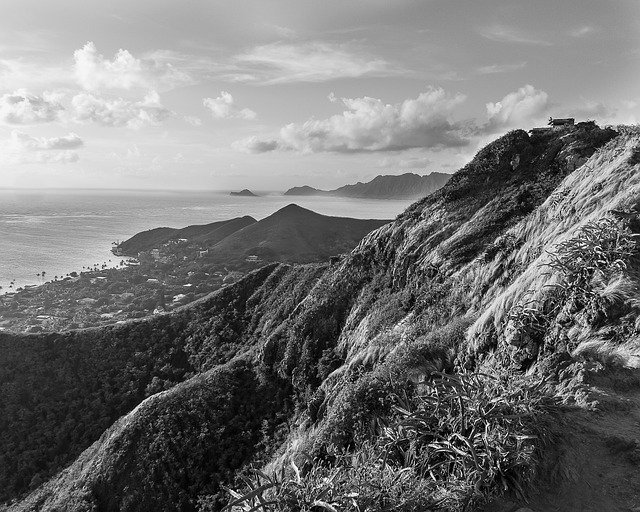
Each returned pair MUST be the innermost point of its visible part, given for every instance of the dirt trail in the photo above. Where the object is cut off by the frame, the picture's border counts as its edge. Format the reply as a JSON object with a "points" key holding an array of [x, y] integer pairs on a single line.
{"points": [[599, 468]]}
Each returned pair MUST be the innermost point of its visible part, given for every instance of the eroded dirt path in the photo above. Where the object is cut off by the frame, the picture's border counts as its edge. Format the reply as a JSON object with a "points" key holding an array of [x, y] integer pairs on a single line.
{"points": [[599, 466]]}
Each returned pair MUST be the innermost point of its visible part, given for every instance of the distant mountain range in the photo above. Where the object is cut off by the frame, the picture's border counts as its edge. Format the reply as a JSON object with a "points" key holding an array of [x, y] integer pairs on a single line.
{"points": [[292, 234], [404, 186]]}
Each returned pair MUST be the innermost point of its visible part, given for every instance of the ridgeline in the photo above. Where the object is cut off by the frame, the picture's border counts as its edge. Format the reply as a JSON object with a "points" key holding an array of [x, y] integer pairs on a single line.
{"points": [[404, 186], [481, 348]]}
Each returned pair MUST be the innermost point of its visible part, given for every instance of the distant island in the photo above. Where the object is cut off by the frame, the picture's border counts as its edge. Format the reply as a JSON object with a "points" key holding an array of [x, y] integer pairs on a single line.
{"points": [[404, 186], [245, 193]]}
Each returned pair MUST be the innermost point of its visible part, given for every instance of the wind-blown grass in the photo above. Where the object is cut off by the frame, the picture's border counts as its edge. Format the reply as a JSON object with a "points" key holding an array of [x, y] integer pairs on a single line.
{"points": [[450, 442]]}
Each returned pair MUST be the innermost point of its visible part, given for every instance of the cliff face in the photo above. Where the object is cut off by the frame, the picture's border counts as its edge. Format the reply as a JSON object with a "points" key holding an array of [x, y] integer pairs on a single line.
{"points": [[525, 261]]}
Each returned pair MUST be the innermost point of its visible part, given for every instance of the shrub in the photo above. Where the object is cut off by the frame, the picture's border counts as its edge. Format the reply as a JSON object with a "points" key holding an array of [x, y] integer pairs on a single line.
{"points": [[453, 443], [600, 252]]}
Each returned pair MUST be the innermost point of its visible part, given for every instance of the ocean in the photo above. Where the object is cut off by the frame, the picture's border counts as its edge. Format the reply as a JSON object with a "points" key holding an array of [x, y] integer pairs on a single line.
{"points": [[60, 231]]}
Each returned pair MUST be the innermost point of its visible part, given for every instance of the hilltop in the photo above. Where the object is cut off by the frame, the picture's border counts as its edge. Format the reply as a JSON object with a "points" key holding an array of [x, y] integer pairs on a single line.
{"points": [[481, 348], [404, 186], [244, 192], [294, 234], [205, 233]]}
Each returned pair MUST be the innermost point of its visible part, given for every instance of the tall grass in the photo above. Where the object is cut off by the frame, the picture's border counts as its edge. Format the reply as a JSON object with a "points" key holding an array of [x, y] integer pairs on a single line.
{"points": [[451, 442]]}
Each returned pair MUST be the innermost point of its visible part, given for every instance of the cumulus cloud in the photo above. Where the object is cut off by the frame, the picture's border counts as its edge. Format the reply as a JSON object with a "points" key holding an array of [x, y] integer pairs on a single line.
{"points": [[119, 112], [517, 109], [23, 141], [224, 107], [93, 71], [306, 62], [20, 107], [369, 124], [255, 145], [23, 148]]}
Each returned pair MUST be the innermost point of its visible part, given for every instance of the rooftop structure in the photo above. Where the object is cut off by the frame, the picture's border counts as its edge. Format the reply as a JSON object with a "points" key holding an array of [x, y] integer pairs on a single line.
{"points": [[561, 122]]}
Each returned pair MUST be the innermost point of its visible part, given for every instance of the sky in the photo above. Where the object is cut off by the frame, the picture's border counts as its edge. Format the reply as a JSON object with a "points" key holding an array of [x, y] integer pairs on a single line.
{"points": [[268, 94]]}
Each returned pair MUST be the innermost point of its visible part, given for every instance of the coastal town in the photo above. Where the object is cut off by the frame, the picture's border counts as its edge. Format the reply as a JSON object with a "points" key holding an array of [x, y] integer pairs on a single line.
{"points": [[155, 281]]}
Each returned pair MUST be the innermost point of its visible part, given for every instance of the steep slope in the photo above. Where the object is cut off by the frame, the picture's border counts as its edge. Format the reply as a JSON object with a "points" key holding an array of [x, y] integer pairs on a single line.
{"points": [[341, 353], [295, 234], [61, 391], [404, 186], [206, 233]]}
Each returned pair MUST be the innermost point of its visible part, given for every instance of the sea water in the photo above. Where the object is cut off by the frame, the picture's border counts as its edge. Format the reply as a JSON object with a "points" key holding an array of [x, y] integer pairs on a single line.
{"points": [[60, 231]]}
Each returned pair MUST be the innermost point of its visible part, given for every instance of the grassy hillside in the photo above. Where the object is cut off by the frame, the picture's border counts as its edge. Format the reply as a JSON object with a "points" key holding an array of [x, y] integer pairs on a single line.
{"points": [[295, 234], [432, 368], [206, 233]]}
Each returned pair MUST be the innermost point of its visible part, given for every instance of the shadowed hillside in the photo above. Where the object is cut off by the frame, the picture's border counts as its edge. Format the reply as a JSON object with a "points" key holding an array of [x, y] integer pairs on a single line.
{"points": [[295, 234], [480, 348], [206, 233]]}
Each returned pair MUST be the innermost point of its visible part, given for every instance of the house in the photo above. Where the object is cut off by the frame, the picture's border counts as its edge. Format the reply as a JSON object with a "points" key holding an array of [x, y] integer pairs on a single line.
{"points": [[561, 123], [202, 254], [252, 258], [155, 254]]}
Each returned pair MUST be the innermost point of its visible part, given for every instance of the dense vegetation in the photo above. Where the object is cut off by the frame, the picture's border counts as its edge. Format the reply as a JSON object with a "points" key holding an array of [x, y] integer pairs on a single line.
{"points": [[383, 380]]}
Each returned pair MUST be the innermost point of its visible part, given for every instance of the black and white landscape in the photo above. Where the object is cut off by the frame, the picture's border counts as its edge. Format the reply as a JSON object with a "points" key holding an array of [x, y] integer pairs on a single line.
{"points": [[320, 256]]}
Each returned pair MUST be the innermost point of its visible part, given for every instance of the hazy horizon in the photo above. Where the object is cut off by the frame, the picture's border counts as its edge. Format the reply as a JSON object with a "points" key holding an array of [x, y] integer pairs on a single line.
{"points": [[270, 95]]}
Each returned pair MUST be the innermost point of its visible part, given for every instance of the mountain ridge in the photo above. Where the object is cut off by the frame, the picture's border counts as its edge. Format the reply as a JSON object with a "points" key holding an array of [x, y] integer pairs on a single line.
{"points": [[442, 288], [403, 186]]}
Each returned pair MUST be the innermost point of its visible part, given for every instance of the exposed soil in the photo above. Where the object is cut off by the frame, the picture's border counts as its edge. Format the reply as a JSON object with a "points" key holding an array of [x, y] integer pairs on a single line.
{"points": [[599, 469]]}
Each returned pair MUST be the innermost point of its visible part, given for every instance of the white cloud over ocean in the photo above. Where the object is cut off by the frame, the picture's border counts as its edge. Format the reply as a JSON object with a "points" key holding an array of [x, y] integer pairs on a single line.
{"points": [[21, 107], [370, 125], [95, 72], [22, 148], [225, 107], [119, 112]]}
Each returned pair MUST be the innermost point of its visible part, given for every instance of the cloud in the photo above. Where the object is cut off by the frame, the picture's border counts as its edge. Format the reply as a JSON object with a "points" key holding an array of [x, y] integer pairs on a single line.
{"points": [[93, 72], [506, 34], [20, 107], [307, 62], [409, 162], [500, 68], [369, 125], [120, 112], [517, 109], [594, 110], [22, 140], [255, 145], [224, 107], [583, 31], [22, 148]]}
